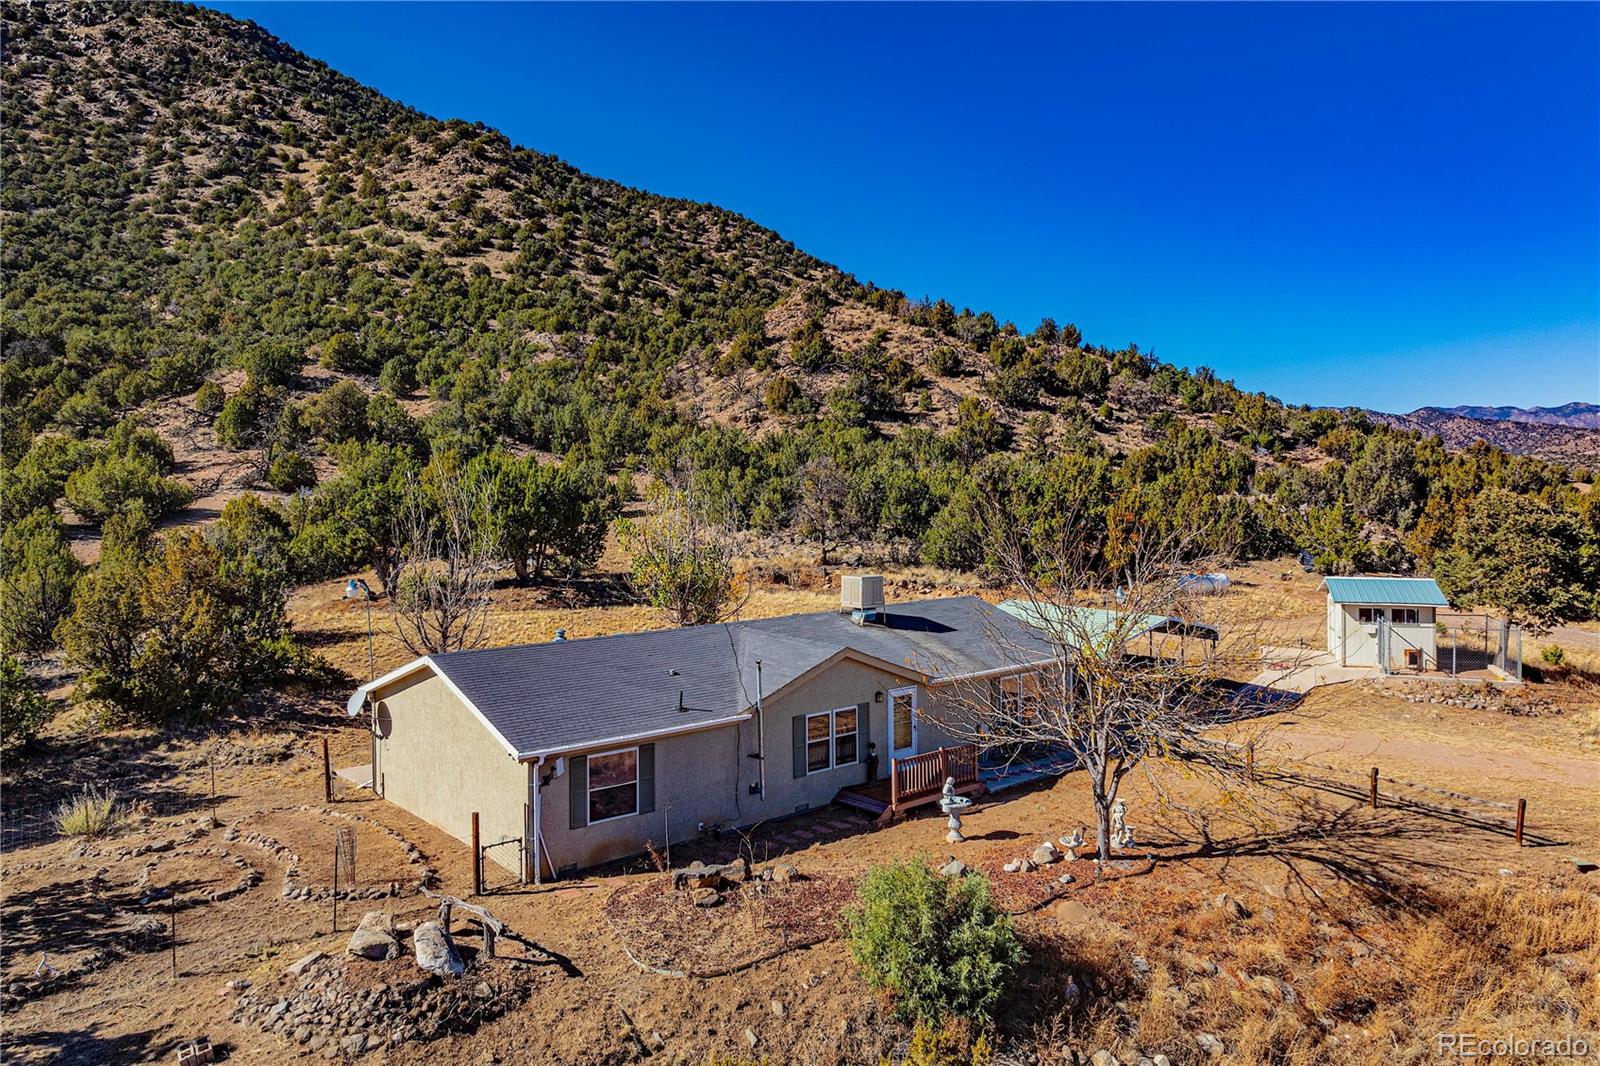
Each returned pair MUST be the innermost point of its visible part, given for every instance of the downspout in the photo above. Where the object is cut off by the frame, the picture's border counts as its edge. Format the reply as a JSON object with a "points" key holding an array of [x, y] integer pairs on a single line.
{"points": [[761, 745], [536, 785]]}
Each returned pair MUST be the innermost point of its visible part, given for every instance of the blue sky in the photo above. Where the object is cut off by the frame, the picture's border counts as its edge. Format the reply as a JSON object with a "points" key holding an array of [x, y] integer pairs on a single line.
{"points": [[1385, 205]]}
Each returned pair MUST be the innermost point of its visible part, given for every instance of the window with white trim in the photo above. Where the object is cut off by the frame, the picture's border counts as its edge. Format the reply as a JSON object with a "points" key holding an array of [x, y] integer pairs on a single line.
{"points": [[831, 739], [613, 785], [1404, 616], [1019, 697]]}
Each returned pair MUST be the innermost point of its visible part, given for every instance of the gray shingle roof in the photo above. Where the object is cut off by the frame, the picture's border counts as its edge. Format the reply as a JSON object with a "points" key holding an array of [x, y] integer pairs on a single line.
{"points": [[563, 694]]}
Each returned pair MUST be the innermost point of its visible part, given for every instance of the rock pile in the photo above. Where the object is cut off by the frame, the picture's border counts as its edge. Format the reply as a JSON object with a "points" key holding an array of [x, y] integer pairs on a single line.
{"points": [[321, 1010], [707, 883]]}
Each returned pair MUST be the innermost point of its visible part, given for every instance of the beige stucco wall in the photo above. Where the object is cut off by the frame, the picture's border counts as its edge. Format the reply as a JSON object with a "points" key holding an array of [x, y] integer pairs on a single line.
{"points": [[438, 761], [844, 683], [697, 779]]}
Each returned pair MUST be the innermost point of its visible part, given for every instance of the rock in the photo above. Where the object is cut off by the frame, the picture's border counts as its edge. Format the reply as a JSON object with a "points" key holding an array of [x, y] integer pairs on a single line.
{"points": [[1160, 1060], [1210, 1044], [1231, 906], [1045, 854], [300, 966], [777, 1008], [1072, 912], [1065, 879], [374, 938], [354, 1044], [482, 990], [751, 1038], [1072, 995], [707, 897], [699, 875], [436, 953], [954, 868], [785, 872], [1104, 1058], [1140, 964]]}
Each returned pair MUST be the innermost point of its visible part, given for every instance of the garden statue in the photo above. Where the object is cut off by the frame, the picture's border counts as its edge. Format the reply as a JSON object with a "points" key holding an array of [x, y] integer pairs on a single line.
{"points": [[952, 805], [1121, 831], [1072, 843]]}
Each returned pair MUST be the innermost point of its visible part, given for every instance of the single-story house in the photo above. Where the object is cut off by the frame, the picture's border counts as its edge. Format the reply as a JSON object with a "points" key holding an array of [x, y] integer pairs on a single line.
{"points": [[595, 749], [1386, 622]]}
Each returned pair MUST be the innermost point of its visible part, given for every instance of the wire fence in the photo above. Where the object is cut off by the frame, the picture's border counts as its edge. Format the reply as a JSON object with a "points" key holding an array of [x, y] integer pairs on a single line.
{"points": [[1456, 645]]}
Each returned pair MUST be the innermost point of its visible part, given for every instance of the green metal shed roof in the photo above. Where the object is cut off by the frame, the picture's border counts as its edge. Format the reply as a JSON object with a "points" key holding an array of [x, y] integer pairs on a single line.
{"points": [[1101, 625], [1406, 591]]}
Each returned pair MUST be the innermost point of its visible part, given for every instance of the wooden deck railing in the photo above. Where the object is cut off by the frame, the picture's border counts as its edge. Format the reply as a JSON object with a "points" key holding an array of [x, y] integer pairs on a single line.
{"points": [[913, 780]]}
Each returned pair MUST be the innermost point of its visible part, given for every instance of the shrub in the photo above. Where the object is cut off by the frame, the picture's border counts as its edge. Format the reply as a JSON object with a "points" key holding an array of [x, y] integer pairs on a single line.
{"points": [[944, 361], [938, 946], [1553, 655], [92, 813], [37, 572], [782, 394], [24, 710], [209, 398], [950, 1044], [290, 471]]}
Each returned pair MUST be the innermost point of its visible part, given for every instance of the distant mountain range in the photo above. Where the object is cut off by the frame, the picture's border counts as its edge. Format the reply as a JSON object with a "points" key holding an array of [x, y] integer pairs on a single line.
{"points": [[1567, 434], [1582, 415]]}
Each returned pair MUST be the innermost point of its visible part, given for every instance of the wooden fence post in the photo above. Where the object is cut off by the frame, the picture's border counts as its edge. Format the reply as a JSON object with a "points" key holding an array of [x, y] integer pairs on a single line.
{"points": [[1522, 811], [477, 859], [327, 774], [1372, 788]]}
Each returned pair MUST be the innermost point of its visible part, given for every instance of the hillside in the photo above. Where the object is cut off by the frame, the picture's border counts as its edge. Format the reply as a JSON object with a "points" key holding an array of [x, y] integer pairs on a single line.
{"points": [[1569, 434], [295, 281]]}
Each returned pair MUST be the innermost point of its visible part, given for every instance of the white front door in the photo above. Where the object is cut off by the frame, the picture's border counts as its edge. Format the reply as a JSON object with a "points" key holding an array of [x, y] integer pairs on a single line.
{"points": [[902, 722]]}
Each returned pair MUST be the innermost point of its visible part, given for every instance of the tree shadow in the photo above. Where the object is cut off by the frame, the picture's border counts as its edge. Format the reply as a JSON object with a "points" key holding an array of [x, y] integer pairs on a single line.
{"points": [[89, 1046]]}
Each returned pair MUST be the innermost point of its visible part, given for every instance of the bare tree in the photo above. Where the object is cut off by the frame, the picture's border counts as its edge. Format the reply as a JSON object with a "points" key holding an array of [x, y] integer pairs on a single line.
{"points": [[684, 554], [823, 510], [445, 567], [1123, 665]]}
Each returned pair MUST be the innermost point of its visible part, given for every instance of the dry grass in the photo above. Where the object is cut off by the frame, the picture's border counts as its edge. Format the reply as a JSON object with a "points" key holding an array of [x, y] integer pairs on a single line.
{"points": [[92, 813], [1487, 960]]}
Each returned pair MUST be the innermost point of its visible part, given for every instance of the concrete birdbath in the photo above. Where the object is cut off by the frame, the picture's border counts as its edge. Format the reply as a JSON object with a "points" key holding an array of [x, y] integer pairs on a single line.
{"points": [[952, 805]]}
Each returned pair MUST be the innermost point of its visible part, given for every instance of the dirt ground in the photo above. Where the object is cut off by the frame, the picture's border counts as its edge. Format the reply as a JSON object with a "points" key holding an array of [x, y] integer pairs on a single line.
{"points": [[1345, 911]]}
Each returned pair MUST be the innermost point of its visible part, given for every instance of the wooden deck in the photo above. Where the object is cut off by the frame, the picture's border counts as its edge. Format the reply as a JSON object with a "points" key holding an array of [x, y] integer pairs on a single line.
{"points": [[916, 781]]}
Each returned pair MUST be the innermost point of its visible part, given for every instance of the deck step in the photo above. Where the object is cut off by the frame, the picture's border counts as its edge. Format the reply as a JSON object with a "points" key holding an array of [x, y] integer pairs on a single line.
{"points": [[859, 802]]}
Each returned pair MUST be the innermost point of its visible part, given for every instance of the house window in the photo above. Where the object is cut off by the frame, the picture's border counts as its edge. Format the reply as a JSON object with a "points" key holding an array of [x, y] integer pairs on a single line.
{"points": [[613, 785], [1019, 698], [1404, 616], [844, 737], [1369, 615], [831, 739]]}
